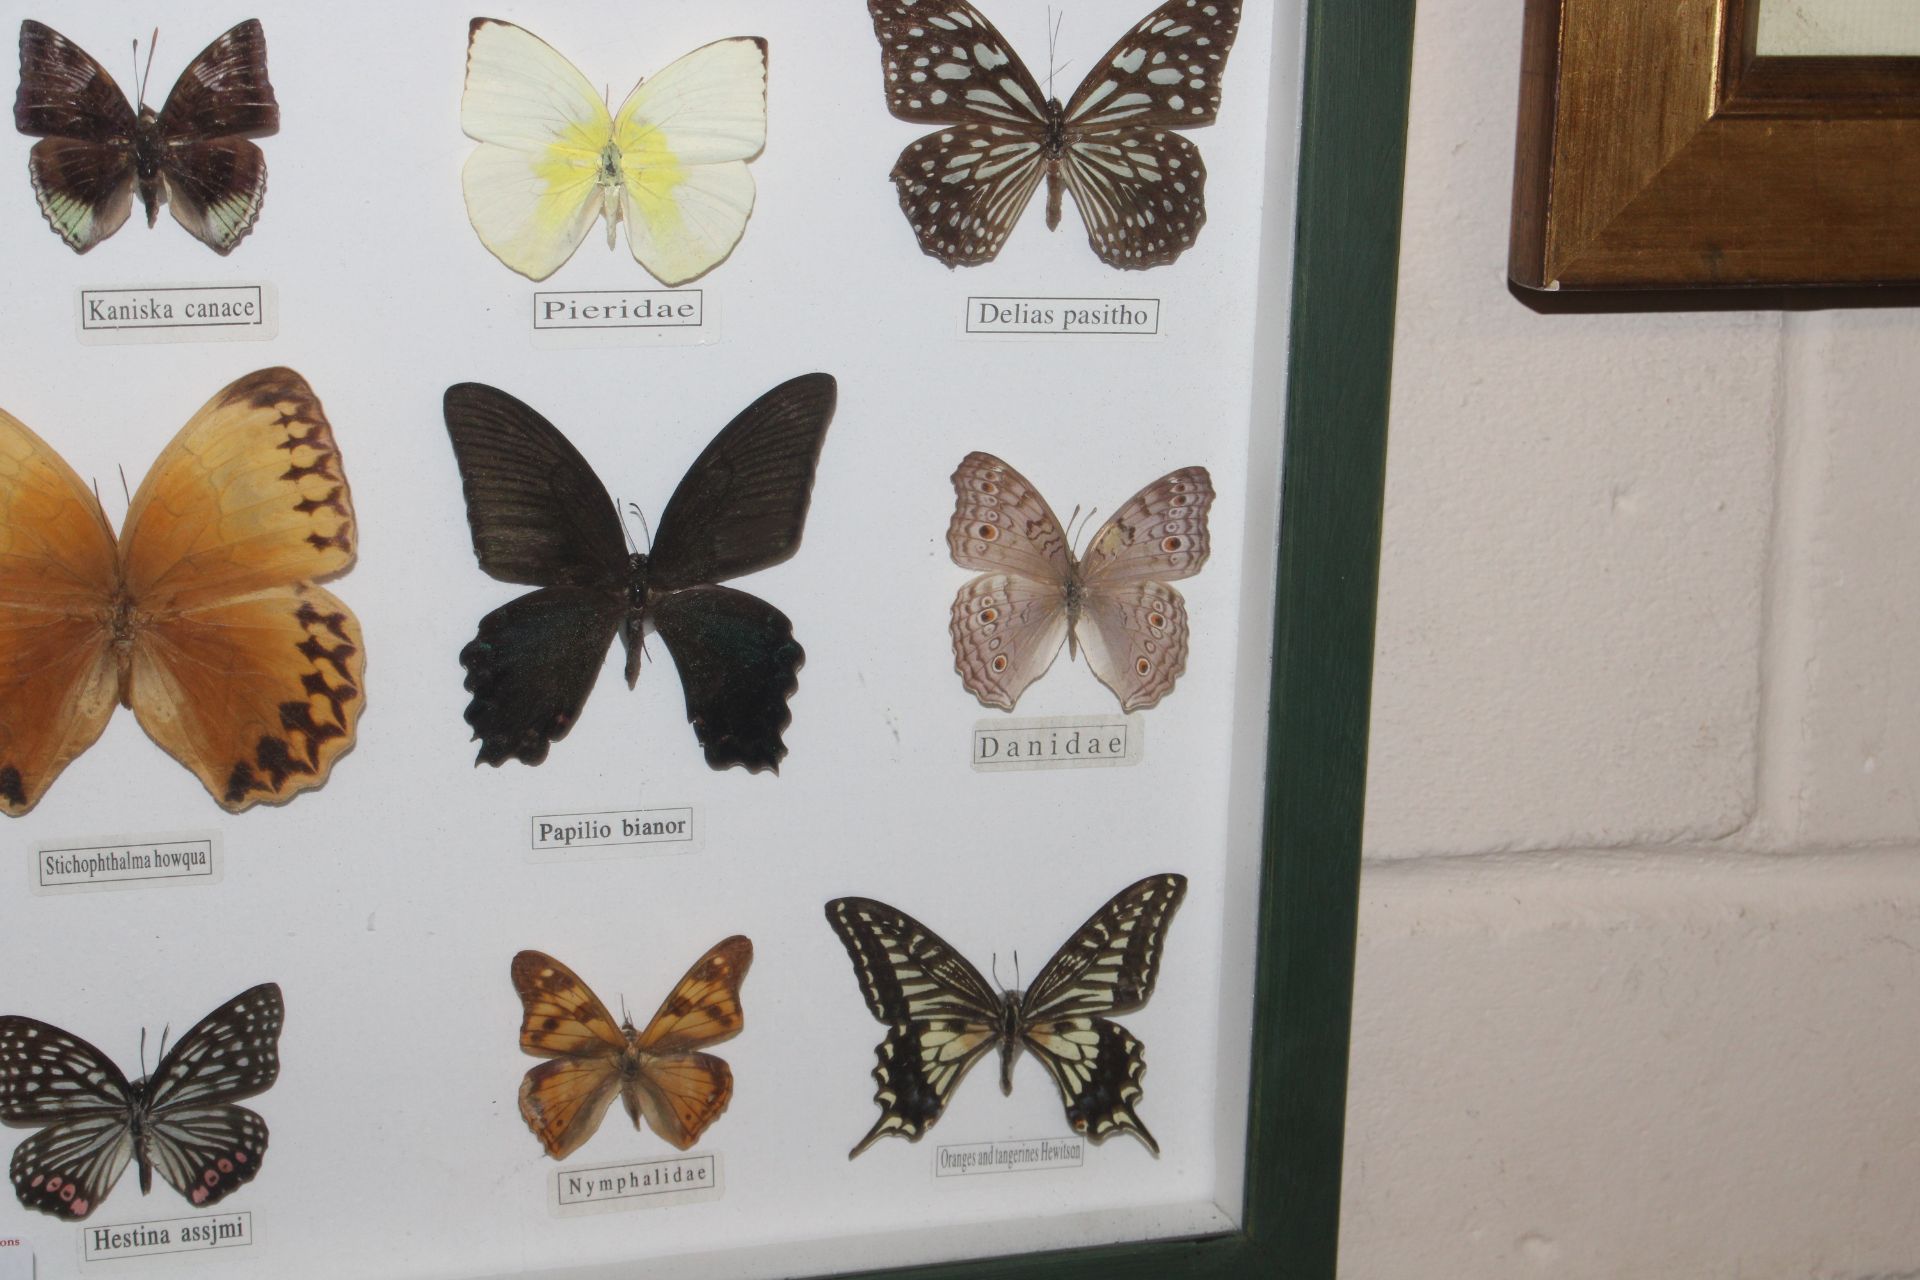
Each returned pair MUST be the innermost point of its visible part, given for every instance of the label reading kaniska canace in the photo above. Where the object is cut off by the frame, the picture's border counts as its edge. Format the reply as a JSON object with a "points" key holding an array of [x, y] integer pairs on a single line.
{"points": [[178, 313]]}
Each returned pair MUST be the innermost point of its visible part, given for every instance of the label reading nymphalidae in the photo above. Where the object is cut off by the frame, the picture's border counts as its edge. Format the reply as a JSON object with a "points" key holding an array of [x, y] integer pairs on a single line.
{"points": [[968, 1159], [621, 317], [179, 313], [1058, 742], [645, 1184], [172, 1235], [622, 832], [70, 867], [16, 1259], [1061, 318]]}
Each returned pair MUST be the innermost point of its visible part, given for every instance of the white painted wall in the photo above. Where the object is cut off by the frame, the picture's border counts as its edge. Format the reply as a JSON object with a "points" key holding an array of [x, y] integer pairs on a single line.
{"points": [[1639, 976]]}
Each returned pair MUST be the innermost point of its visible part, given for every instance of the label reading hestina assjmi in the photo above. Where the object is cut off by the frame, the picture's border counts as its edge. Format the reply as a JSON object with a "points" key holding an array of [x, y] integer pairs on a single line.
{"points": [[172, 1235]]}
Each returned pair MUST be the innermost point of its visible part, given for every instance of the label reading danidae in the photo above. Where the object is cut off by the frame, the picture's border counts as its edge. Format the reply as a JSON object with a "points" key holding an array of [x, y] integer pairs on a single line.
{"points": [[1058, 742], [1061, 318], [557, 837], [970, 1159], [178, 313], [105, 1243], [71, 866], [624, 317], [645, 1184]]}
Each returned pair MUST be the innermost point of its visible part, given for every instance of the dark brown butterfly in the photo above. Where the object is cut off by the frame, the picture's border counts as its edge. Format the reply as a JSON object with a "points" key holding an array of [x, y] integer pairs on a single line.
{"points": [[181, 1120], [1140, 186], [540, 517], [942, 1015], [95, 151]]}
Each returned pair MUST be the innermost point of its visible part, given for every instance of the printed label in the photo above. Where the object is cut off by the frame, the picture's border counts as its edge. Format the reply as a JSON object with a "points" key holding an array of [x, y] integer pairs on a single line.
{"points": [[1058, 742], [649, 1184], [16, 1259], [967, 1159], [179, 313], [126, 864], [172, 1235], [622, 316], [558, 836], [1062, 317]]}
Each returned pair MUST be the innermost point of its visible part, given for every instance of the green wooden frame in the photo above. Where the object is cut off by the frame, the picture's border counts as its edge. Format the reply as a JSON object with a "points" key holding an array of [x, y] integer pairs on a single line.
{"points": [[1340, 346]]}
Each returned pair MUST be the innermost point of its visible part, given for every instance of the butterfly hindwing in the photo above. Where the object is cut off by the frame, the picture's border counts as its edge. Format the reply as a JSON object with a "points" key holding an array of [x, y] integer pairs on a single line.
{"points": [[1135, 636], [532, 664], [1097, 1066], [206, 1153], [1006, 632], [737, 660]]}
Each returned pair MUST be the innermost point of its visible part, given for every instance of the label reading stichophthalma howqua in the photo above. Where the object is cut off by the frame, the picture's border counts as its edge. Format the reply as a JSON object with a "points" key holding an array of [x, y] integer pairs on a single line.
{"points": [[645, 1184], [178, 313], [69, 866], [172, 1235]]}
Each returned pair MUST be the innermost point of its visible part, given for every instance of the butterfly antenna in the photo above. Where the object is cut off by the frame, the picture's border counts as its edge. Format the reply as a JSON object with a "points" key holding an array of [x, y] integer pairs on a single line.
{"points": [[124, 490], [641, 516], [1016, 971], [1053, 40], [140, 77], [993, 967]]}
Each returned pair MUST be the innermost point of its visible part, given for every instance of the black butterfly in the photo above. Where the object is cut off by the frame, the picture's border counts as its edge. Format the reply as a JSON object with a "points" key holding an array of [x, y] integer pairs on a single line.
{"points": [[95, 151], [1140, 187], [181, 1119], [941, 1015], [540, 517]]}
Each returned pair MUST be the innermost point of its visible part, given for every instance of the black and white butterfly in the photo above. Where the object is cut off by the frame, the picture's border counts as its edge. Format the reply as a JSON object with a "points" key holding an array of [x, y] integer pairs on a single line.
{"points": [[1140, 186], [540, 517], [942, 1015], [194, 154], [181, 1120]]}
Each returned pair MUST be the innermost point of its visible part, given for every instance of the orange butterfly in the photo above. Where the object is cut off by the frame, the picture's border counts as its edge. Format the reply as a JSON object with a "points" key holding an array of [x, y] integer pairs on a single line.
{"points": [[658, 1073], [203, 617]]}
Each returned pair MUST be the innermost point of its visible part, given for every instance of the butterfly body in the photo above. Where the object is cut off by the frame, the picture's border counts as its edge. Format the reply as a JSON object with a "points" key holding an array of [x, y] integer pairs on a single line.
{"points": [[1008, 624], [97, 151], [1139, 185], [539, 516], [182, 1120], [658, 1072], [942, 1016]]}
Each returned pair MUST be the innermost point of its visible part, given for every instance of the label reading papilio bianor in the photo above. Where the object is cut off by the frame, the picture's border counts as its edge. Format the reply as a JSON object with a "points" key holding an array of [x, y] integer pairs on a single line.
{"points": [[624, 317], [172, 1235], [179, 313], [1058, 742], [557, 837], [1061, 318], [645, 1184], [69, 866]]}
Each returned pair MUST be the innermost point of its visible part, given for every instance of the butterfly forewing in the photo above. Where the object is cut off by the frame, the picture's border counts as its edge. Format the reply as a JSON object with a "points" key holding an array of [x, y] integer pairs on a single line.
{"points": [[704, 1006], [1165, 72], [224, 92], [1110, 963], [232, 1053], [944, 63], [1159, 534], [561, 1017], [1001, 524], [82, 170], [743, 503]]}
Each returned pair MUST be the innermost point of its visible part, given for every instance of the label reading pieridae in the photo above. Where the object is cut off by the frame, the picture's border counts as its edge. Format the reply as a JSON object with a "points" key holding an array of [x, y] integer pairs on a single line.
{"points": [[1058, 742], [178, 313], [16, 1259], [1061, 318], [558, 837], [623, 317], [172, 1235], [644, 1184], [73, 867], [969, 1159]]}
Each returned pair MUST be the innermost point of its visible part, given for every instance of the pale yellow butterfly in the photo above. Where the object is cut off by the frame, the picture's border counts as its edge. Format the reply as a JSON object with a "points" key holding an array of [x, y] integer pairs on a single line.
{"points": [[552, 160]]}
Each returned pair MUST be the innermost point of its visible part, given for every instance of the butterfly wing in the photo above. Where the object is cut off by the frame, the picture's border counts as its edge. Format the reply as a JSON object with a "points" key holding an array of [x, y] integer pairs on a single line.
{"points": [[216, 179], [532, 186], [737, 660], [241, 668], [685, 136], [563, 1101], [83, 169], [531, 666], [54, 1078], [682, 1091], [962, 188], [1141, 188], [1109, 965], [58, 568], [940, 1013], [743, 503], [1137, 639], [202, 1144], [1006, 625]]}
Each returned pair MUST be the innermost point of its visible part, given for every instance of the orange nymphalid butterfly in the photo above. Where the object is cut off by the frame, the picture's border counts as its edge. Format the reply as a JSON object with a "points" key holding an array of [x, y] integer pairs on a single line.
{"points": [[658, 1072], [203, 616]]}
